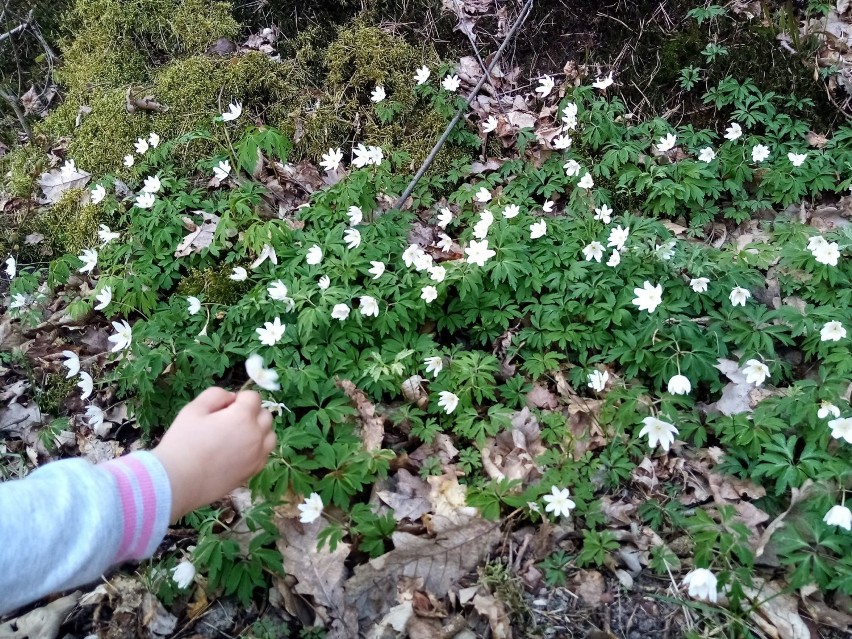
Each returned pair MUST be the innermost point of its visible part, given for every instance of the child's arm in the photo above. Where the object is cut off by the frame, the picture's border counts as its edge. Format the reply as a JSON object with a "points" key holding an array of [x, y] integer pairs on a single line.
{"points": [[67, 522]]}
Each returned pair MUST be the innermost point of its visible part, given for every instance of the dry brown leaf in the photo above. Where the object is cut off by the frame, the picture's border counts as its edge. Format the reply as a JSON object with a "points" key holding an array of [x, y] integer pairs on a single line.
{"points": [[494, 610], [320, 573], [449, 503], [617, 512], [439, 561], [410, 500], [372, 429], [778, 613], [589, 585], [55, 182], [824, 615], [796, 495], [199, 237], [541, 397], [511, 455]]}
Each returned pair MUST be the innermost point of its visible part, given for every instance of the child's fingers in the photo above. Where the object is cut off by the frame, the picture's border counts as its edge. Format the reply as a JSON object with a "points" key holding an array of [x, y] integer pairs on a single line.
{"points": [[264, 420], [269, 442], [213, 399], [248, 401]]}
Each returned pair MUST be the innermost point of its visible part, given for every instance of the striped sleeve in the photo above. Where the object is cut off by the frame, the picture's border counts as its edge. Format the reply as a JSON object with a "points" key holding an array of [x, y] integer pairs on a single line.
{"points": [[67, 522]]}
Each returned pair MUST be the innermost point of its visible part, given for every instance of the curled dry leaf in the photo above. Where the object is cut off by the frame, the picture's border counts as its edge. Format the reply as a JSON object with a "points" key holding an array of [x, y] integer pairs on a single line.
{"points": [[372, 425], [55, 182], [511, 455], [494, 610], [410, 500], [199, 237], [777, 612]]}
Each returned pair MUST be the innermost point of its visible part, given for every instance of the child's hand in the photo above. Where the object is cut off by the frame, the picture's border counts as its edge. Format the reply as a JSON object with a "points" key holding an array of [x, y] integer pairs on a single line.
{"points": [[215, 444]]}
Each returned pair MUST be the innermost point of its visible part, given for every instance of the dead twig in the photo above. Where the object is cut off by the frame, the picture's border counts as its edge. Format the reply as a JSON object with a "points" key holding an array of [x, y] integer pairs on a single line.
{"points": [[431, 158], [19, 28]]}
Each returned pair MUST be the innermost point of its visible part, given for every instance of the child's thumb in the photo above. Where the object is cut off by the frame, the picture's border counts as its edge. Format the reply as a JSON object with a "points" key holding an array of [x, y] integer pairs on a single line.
{"points": [[213, 399]]}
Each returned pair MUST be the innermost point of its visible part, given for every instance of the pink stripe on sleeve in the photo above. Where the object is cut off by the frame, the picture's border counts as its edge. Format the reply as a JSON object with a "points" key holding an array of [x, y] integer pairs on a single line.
{"points": [[128, 508], [149, 505]]}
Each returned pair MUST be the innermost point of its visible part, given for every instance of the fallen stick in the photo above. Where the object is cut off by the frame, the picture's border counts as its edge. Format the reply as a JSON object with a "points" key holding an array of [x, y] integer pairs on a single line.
{"points": [[434, 152]]}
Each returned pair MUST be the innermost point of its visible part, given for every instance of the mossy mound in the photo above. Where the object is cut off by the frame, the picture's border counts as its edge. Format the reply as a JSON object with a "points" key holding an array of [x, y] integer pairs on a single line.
{"points": [[20, 169], [214, 284], [67, 226]]}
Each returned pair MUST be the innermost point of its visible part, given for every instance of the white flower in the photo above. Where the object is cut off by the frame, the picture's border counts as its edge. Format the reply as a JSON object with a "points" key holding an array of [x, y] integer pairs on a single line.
{"points": [[699, 284], [839, 516], [141, 146], [98, 194], [145, 200], [86, 385], [11, 267], [129, 160], [445, 243], [558, 502], [593, 251], [545, 86], [367, 155], [183, 574], [658, 432], [277, 291], [235, 110], [423, 261], [572, 168], [598, 380], [451, 83], [222, 170], [71, 362], [434, 365], [368, 305], [314, 255], [311, 509], [264, 377], [614, 259], [511, 210], [153, 140], [445, 216], [355, 214], [276, 408], [331, 160], [448, 401], [755, 372], [797, 159], [19, 300], [648, 297], [340, 312], [89, 258], [841, 428], [478, 253], [95, 419], [324, 282], [106, 235], [733, 132], [538, 229], [603, 214], [480, 229], [739, 296], [104, 297], [271, 332], [151, 184], [375, 155], [832, 332], [701, 584], [489, 125], [266, 253], [824, 252], [707, 155], [410, 254], [667, 143], [826, 409], [239, 274], [759, 153], [483, 195], [561, 142], [603, 83], [679, 385], [352, 238], [378, 94], [437, 273], [547, 207], [569, 115], [429, 294], [422, 75], [617, 237], [586, 182], [377, 269]]}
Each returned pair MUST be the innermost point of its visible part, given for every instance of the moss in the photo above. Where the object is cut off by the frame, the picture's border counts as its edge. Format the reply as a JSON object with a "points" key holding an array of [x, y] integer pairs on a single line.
{"points": [[214, 284], [67, 226], [51, 395], [20, 169]]}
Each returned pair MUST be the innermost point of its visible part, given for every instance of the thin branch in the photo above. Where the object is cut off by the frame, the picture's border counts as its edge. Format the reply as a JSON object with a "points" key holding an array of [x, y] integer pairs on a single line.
{"points": [[19, 28], [431, 158], [13, 102]]}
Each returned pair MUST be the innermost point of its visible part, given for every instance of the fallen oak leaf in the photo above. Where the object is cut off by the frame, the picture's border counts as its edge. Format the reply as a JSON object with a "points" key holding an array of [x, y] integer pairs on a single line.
{"points": [[372, 429]]}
